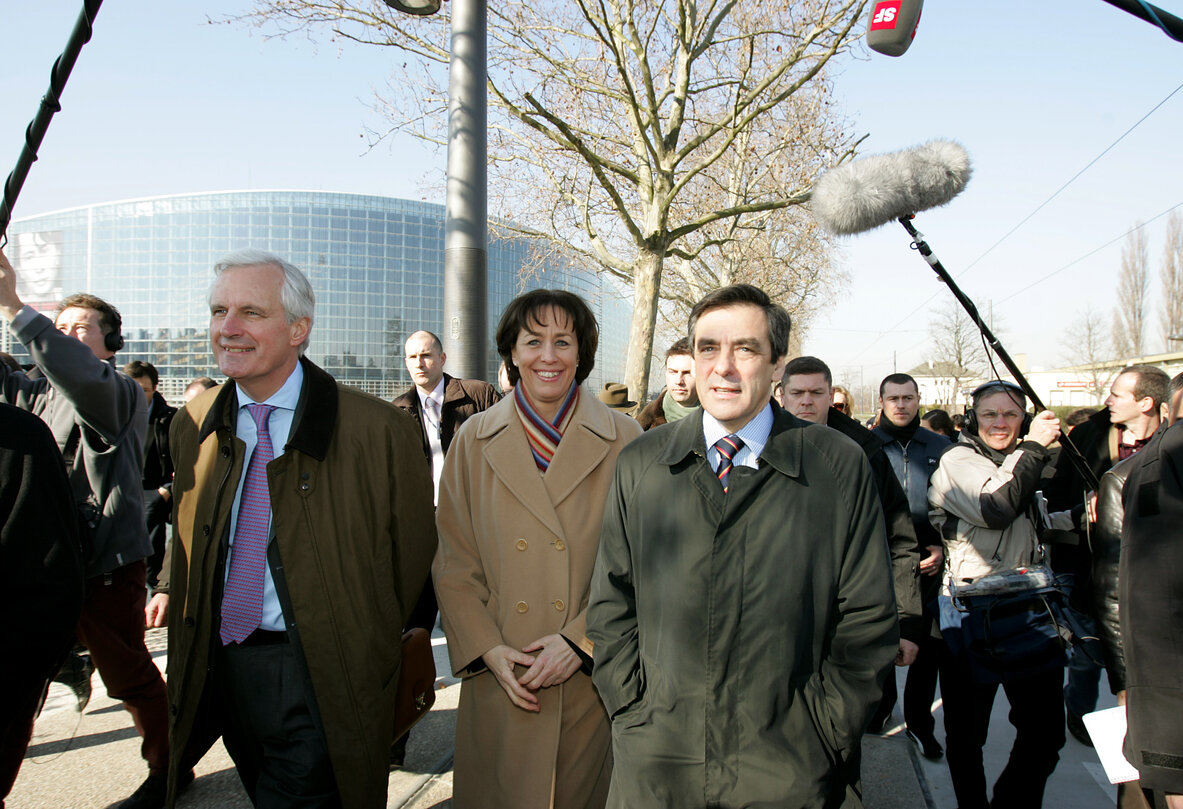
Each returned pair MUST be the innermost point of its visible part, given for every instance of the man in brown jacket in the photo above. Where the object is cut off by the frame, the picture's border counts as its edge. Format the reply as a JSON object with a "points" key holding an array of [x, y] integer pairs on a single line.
{"points": [[291, 577]]}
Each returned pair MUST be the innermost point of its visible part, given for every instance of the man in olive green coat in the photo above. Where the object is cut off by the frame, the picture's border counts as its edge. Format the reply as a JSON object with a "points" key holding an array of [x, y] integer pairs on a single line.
{"points": [[742, 607], [298, 668]]}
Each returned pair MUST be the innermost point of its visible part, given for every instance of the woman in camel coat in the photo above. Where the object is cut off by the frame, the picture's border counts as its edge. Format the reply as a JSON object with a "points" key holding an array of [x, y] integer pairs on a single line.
{"points": [[519, 520]]}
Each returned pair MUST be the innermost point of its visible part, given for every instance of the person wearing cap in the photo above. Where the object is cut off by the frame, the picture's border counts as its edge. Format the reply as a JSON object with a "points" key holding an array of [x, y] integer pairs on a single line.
{"points": [[615, 395]]}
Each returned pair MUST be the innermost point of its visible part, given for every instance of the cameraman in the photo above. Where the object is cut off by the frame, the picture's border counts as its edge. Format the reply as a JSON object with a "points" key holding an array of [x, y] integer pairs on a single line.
{"points": [[986, 507], [98, 417]]}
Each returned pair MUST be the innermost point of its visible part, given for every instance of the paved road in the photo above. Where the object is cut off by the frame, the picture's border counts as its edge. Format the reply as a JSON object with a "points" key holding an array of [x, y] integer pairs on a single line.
{"points": [[91, 761]]}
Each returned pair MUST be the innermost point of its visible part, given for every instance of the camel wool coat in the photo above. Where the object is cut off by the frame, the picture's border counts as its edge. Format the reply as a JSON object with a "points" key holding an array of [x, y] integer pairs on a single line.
{"points": [[516, 554]]}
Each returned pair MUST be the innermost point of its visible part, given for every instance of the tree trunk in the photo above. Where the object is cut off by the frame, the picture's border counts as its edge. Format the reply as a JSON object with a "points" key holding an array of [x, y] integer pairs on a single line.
{"points": [[646, 286]]}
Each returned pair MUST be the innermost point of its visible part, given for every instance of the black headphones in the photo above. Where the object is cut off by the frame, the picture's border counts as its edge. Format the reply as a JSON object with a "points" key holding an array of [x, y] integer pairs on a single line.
{"points": [[1010, 388]]}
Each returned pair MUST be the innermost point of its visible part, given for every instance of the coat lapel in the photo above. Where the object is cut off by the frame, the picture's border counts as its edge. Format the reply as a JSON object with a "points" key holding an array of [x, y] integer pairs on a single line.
{"points": [[584, 446], [508, 455]]}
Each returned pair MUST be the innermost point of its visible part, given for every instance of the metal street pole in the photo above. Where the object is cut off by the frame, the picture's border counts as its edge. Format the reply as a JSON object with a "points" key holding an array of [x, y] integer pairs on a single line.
{"points": [[466, 253], [466, 257]]}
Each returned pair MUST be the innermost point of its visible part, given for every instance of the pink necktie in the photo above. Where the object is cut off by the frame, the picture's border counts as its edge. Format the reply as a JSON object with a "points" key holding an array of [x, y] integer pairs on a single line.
{"points": [[242, 598]]}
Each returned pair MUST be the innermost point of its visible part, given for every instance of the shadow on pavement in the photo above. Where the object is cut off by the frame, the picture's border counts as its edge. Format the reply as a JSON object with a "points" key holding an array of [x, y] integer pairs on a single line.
{"points": [[80, 742]]}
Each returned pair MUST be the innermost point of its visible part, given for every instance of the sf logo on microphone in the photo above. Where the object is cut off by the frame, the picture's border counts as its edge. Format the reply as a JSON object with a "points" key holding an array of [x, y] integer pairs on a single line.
{"points": [[886, 14]]}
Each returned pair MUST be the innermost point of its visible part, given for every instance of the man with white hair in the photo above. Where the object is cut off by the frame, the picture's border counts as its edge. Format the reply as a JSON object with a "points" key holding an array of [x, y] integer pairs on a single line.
{"points": [[304, 530]]}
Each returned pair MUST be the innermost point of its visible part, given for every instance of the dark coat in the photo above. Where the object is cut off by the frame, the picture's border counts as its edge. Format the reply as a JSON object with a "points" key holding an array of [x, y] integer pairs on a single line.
{"points": [[463, 398], [914, 463], [653, 414], [901, 533], [158, 459], [1150, 584], [354, 536], [1106, 568], [741, 640], [40, 558], [1096, 438], [1097, 441]]}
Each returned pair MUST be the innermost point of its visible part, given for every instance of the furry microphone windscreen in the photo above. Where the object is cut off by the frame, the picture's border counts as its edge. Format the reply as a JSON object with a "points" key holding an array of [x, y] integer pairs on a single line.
{"points": [[872, 191]]}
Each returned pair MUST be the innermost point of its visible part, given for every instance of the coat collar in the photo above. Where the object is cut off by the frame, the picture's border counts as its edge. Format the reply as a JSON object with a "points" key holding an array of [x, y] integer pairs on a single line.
{"points": [[453, 390], [586, 442], [314, 422], [782, 452]]}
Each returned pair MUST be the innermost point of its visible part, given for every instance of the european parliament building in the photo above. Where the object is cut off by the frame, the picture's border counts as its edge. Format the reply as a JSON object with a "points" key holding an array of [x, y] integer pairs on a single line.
{"points": [[376, 264]]}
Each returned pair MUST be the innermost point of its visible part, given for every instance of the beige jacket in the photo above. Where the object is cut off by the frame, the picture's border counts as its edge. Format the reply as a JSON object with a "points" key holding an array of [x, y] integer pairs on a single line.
{"points": [[516, 555]]}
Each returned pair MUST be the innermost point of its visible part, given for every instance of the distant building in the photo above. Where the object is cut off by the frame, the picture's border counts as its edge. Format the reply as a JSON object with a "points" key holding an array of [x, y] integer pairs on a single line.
{"points": [[1067, 386], [376, 264]]}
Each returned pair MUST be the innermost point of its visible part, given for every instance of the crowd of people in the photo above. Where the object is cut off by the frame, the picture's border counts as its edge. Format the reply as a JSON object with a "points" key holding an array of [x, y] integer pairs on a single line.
{"points": [[695, 601]]}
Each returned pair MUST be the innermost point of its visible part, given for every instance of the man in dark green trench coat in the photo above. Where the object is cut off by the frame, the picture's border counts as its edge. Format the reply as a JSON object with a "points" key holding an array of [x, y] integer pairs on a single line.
{"points": [[742, 607]]}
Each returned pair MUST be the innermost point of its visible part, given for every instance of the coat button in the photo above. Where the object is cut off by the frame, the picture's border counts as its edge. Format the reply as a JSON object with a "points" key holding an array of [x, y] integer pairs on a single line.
{"points": [[304, 487], [560, 605], [205, 530], [190, 623], [225, 451], [522, 544], [560, 545], [522, 606]]}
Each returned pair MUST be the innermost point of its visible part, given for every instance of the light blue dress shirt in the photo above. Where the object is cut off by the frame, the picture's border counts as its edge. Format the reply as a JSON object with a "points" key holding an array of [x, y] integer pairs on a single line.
{"points": [[279, 425], [754, 435]]}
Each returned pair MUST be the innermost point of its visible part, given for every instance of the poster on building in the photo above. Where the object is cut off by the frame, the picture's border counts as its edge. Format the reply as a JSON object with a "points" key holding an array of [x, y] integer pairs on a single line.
{"points": [[39, 266]]}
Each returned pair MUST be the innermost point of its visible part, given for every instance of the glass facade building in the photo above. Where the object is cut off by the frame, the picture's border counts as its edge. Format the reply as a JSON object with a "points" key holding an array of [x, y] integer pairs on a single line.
{"points": [[375, 263]]}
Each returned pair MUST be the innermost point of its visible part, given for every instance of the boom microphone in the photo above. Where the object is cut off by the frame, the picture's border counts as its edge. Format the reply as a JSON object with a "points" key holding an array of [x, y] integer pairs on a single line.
{"points": [[872, 191], [892, 25]]}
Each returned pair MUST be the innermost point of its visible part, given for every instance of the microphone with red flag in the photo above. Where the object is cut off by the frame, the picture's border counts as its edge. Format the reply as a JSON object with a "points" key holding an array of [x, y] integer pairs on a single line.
{"points": [[892, 25]]}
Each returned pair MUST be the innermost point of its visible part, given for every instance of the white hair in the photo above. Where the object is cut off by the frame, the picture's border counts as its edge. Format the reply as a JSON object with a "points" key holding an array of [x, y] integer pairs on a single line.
{"points": [[296, 293]]}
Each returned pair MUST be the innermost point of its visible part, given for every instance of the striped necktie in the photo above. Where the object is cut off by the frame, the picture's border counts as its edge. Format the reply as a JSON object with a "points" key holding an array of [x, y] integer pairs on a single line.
{"points": [[727, 447], [242, 598]]}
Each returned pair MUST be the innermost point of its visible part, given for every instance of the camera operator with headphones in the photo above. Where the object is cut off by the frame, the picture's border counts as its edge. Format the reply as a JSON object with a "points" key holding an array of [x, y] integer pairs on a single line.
{"points": [[985, 504], [98, 417]]}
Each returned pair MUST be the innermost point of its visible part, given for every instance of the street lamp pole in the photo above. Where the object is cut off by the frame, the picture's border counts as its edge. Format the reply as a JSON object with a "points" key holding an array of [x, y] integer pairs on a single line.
{"points": [[466, 254]]}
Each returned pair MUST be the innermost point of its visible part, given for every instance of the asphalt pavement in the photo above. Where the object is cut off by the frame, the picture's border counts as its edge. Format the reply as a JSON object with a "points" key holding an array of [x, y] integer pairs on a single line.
{"points": [[91, 760]]}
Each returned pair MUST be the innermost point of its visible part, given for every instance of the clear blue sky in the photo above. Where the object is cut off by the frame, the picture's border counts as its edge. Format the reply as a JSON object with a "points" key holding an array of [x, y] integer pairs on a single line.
{"points": [[162, 101]]}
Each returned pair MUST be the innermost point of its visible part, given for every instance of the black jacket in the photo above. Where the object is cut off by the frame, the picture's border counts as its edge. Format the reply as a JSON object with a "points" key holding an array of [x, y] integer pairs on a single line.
{"points": [[158, 460], [1106, 564], [901, 534], [1149, 583], [40, 556]]}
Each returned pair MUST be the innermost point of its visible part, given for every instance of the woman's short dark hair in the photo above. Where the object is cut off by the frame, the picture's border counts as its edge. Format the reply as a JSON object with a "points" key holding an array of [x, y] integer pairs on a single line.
{"points": [[525, 311], [939, 422]]}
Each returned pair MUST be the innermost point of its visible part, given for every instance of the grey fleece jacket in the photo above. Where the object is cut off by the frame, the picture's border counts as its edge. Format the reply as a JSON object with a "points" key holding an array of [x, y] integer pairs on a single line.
{"points": [[110, 409]]}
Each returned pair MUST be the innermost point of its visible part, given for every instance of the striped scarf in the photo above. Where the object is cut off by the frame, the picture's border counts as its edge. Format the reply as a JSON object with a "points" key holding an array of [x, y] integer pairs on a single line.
{"points": [[544, 436]]}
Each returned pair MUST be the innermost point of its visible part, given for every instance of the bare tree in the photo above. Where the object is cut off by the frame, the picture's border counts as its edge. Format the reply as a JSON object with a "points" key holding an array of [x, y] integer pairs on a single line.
{"points": [[630, 133], [1171, 278], [1086, 346], [957, 352], [1129, 314]]}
